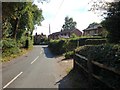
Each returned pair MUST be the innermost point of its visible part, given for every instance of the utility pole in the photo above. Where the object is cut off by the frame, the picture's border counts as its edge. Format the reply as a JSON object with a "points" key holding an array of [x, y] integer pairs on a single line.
{"points": [[49, 29]]}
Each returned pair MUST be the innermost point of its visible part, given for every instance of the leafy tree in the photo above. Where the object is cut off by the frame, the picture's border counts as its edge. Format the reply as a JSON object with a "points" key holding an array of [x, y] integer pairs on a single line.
{"points": [[111, 13], [112, 21], [20, 15], [69, 24]]}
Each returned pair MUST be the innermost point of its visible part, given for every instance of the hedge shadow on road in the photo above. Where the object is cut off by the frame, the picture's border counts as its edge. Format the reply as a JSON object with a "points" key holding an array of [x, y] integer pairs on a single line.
{"points": [[73, 80], [48, 53]]}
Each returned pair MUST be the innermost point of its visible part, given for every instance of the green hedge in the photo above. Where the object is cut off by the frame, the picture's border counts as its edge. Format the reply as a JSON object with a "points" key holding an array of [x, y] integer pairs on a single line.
{"points": [[9, 47], [95, 41], [66, 45], [69, 54], [57, 46], [106, 54], [62, 46]]}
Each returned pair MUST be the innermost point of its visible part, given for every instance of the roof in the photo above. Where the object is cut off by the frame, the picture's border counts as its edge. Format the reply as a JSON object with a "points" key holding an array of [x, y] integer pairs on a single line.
{"points": [[64, 31], [93, 27]]}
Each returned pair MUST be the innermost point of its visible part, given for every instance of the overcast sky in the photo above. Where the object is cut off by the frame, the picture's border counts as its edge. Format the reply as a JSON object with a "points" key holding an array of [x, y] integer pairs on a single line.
{"points": [[55, 12]]}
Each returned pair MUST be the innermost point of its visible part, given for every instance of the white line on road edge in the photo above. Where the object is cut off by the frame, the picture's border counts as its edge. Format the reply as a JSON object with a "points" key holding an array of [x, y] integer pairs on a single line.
{"points": [[12, 80], [35, 60], [41, 52]]}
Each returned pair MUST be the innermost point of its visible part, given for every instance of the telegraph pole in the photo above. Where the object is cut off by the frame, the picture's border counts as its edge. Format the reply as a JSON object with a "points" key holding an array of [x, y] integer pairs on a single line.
{"points": [[49, 29]]}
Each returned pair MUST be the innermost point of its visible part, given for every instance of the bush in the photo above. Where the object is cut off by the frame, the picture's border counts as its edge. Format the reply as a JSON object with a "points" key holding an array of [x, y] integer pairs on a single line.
{"points": [[56, 46], [106, 54], [95, 41], [69, 55], [9, 47], [62, 46]]}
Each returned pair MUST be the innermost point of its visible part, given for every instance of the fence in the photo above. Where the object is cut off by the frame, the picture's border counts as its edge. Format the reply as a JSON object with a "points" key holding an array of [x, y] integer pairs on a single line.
{"points": [[97, 73]]}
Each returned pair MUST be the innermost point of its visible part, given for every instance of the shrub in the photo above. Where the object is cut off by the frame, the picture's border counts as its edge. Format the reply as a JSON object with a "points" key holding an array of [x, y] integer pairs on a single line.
{"points": [[69, 55], [62, 46], [95, 41], [9, 47], [56, 46], [107, 54]]}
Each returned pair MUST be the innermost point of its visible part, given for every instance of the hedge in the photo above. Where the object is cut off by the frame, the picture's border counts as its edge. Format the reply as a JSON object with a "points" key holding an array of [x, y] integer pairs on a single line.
{"points": [[95, 41], [107, 54], [9, 47], [56, 46]]}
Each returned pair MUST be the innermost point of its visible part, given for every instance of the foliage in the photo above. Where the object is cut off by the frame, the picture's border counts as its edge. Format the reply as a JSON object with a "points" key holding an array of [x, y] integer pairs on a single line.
{"points": [[62, 46], [107, 54], [19, 16], [104, 33], [18, 20], [69, 54], [111, 13], [56, 46], [95, 41], [111, 22], [65, 45], [73, 36], [69, 24], [9, 47]]}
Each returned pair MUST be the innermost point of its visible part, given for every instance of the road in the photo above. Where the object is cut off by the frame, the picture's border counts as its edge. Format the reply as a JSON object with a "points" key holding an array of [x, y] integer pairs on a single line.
{"points": [[36, 69]]}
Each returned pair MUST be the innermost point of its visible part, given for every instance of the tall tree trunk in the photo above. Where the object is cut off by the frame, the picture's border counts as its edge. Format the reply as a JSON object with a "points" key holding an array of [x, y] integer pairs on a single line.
{"points": [[16, 28]]}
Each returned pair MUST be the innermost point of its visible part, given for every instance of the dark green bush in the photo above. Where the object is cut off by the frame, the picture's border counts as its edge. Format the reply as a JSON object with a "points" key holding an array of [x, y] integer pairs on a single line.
{"points": [[107, 54], [56, 46], [95, 41], [62, 46], [69, 55], [9, 47]]}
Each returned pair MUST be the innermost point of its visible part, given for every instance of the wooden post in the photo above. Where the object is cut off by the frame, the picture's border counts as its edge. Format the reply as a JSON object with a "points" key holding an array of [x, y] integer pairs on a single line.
{"points": [[74, 66], [89, 65]]}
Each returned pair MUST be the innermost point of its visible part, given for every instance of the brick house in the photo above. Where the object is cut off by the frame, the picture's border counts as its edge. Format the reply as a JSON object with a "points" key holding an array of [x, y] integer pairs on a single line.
{"points": [[39, 38], [93, 30], [65, 34]]}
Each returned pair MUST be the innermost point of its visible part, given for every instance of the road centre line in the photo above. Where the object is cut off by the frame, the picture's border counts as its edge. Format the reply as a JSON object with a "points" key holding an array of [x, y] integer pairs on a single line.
{"points": [[12, 80], [34, 59]]}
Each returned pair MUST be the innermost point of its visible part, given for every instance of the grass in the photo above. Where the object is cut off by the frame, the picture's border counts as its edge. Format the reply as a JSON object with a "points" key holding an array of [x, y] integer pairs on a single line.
{"points": [[68, 69], [8, 58]]}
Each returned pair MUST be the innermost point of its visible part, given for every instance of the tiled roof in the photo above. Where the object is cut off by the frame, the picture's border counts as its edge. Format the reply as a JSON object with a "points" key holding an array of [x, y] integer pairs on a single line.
{"points": [[92, 27], [64, 31]]}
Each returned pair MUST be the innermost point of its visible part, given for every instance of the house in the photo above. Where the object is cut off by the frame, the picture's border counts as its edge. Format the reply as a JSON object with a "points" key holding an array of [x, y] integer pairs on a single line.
{"points": [[39, 38], [65, 34], [93, 29]]}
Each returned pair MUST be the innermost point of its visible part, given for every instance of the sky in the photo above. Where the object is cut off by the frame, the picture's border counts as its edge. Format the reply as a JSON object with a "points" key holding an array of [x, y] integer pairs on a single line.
{"points": [[55, 11]]}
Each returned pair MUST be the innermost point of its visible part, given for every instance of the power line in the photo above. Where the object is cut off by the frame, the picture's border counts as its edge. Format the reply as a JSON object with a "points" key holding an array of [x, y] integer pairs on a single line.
{"points": [[59, 9]]}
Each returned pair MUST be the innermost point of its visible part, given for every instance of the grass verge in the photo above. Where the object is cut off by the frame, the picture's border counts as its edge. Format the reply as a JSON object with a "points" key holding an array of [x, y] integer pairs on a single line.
{"points": [[8, 58]]}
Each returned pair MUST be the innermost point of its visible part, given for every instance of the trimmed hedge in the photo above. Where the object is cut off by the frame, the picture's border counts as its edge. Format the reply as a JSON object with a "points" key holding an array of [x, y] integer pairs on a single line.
{"points": [[57, 46], [95, 41], [62, 46], [65, 45]]}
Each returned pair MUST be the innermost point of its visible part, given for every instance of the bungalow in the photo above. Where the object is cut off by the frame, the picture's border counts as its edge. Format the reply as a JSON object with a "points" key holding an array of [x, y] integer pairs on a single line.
{"points": [[93, 30], [65, 34]]}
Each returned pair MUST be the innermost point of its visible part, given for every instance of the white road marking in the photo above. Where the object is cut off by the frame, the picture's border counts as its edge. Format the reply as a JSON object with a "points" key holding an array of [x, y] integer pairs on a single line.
{"points": [[34, 59], [41, 52], [12, 80]]}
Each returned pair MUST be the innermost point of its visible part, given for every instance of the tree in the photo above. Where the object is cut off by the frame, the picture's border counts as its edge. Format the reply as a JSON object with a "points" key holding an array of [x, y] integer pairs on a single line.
{"points": [[69, 24], [20, 15], [111, 20]]}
